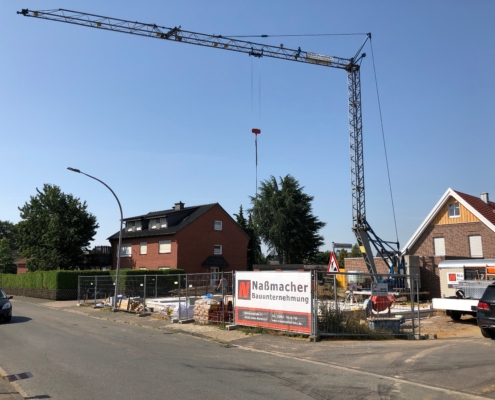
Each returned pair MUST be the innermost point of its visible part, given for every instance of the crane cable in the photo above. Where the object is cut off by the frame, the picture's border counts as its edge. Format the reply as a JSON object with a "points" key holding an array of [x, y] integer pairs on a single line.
{"points": [[253, 113], [383, 138]]}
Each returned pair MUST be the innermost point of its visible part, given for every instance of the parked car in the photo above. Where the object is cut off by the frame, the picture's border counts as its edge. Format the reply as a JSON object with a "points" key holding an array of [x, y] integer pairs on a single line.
{"points": [[485, 313], [5, 306]]}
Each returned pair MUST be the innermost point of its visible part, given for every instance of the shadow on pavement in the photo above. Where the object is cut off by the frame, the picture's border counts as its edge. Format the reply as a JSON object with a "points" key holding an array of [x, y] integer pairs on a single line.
{"points": [[43, 396], [19, 320]]}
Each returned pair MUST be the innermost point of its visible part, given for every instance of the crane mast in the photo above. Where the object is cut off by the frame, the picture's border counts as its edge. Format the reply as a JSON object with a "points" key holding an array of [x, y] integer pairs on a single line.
{"points": [[362, 230]]}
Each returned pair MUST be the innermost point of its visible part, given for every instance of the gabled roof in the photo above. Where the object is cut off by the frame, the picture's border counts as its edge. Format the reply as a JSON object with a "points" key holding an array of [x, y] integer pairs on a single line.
{"points": [[484, 212], [187, 214]]}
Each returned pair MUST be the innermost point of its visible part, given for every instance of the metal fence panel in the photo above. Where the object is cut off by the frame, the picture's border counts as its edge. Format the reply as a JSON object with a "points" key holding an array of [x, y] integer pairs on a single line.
{"points": [[172, 295], [363, 304]]}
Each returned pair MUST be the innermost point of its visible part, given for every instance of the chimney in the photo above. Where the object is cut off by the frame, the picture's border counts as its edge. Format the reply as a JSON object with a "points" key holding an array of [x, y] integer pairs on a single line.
{"points": [[179, 206], [484, 197]]}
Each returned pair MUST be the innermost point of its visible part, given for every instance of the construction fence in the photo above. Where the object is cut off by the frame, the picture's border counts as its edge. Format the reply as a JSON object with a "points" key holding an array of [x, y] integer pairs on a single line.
{"points": [[338, 304], [174, 296], [364, 304]]}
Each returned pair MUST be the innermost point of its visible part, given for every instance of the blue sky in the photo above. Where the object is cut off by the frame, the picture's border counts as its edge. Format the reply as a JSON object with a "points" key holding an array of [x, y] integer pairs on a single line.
{"points": [[163, 122]]}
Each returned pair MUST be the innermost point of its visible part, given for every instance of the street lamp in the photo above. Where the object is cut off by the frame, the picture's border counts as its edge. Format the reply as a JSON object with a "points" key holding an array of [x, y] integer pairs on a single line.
{"points": [[117, 272]]}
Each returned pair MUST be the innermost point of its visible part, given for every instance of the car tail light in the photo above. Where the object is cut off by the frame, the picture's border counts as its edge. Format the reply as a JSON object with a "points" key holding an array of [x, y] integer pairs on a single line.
{"points": [[483, 306]]}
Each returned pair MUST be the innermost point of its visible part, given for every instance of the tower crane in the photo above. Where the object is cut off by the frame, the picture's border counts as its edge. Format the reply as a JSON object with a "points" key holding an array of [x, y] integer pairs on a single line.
{"points": [[365, 236]]}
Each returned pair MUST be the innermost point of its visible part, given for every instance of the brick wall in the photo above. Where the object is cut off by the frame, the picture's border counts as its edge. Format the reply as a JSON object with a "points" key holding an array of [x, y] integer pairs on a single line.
{"points": [[456, 240], [358, 264], [196, 244], [456, 248], [151, 260]]}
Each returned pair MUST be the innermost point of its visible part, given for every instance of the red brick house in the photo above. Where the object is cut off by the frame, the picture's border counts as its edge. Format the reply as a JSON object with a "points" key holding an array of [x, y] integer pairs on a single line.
{"points": [[196, 239], [460, 226]]}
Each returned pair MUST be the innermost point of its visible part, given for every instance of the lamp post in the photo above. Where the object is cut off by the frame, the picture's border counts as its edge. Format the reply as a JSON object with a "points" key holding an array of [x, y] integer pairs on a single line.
{"points": [[117, 272]]}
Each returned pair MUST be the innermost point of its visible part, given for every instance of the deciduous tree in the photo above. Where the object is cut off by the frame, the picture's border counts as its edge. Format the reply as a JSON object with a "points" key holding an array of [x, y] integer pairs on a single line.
{"points": [[7, 265], [55, 230]]}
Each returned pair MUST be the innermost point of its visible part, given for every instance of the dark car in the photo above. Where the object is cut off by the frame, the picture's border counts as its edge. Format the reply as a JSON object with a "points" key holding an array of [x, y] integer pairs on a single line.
{"points": [[485, 313], [5, 306]]}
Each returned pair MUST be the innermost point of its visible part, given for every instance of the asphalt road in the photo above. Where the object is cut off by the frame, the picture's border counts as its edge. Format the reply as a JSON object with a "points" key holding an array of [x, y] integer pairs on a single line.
{"points": [[73, 356]]}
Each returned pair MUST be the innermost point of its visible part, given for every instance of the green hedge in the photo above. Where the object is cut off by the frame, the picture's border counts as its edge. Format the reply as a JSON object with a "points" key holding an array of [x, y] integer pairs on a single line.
{"points": [[53, 280]]}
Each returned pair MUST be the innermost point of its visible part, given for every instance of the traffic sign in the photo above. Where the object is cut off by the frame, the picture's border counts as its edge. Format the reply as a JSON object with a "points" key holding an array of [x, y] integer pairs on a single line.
{"points": [[333, 265]]}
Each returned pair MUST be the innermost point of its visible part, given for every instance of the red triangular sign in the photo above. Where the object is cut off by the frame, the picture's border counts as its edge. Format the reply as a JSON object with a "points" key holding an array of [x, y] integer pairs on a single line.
{"points": [[333, 265]]}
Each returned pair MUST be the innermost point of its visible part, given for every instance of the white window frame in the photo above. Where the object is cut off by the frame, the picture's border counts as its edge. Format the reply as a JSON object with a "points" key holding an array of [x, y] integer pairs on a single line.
{"points": [[132, 226], [143, 248], [217, 249], [217, 225], [167, 247], [126, 250], [475, 246], [454, 210], [158, 223], [163, 268], [438, 246], [143, 269]]}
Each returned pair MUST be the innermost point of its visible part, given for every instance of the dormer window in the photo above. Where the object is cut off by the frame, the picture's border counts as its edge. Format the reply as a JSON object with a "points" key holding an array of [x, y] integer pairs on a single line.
{"points": [[454, 210], [158, 223], [133, 226]]}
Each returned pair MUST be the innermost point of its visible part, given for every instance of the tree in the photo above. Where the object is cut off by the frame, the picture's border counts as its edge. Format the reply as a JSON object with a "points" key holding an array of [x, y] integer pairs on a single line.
{"points": [[254, 256], [8, 230], [343, 254], [7, 265], [55, 230], [355, 252], [282, 215], [322, 258]]}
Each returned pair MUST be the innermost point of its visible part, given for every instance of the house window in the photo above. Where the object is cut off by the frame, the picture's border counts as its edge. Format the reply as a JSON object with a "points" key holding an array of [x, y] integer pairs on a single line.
{"points": [[163, 268], [143, 248], [217, 249], [165, 246], [218, 225], [475, 246], [454, 210], [132, 226], [143, 268], [158, 223], [126, 250], [439, 246]]}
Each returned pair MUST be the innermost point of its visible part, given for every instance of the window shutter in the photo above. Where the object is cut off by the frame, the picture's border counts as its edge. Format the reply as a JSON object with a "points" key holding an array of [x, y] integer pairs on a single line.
{"points": [[439, 244], [475, 246]]}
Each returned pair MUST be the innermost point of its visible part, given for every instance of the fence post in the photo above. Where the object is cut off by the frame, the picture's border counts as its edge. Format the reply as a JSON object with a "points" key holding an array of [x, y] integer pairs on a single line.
{"points": [[96, 287], [411, 285], [416, 279], [79, 290], [156, 286], [187, 297], [144, 292], [178, 280]]}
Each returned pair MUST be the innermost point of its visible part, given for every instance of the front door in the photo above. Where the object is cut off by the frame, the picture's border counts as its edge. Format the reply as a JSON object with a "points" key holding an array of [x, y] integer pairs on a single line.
{"points": [[215, 275]]}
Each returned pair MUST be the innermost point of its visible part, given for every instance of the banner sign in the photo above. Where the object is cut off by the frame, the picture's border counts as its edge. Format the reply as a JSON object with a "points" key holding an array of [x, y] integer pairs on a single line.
{"points": [[274, 300]]}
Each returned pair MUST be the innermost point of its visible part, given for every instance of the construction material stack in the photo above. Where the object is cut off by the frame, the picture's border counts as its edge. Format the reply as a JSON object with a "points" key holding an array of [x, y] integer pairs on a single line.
{"points": [[204, 309]]}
